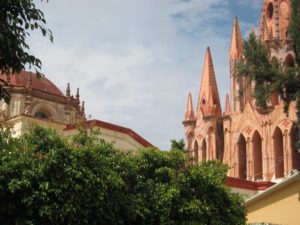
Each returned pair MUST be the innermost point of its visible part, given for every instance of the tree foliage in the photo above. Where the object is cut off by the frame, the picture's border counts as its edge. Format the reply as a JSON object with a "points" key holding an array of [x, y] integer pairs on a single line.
{"points": [[258, 68], [178, 144], [270, 76], [17, 19], [294, 28], [59, 181]]}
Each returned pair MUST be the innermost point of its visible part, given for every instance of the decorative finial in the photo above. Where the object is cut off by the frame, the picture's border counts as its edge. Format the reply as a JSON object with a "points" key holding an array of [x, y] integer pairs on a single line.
{"points": [[189, 115], [82, 108], [227, 106], [68, 92], [77, 96]]}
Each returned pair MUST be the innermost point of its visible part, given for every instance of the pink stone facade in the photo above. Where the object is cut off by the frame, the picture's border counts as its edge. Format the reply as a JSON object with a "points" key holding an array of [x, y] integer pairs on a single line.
{"points": [[256, 145]]}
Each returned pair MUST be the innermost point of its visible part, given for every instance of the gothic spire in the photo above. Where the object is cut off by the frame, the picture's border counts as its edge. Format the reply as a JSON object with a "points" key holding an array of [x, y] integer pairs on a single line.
{"points": [[236, 47], [227, 106], [208, 101], [189, 114]]}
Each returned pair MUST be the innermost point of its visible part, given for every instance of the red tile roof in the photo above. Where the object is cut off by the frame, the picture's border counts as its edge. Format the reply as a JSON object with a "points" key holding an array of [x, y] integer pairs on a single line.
{"points": [[249, 185], [41, 84], [113, 127]]}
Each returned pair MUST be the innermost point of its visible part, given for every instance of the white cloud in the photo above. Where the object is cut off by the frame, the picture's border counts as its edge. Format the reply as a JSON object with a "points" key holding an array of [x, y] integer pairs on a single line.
{"points": [[136, 60]]}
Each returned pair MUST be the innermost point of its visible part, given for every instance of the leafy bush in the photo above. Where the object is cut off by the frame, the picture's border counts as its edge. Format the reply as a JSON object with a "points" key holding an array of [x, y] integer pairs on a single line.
{"points": [[46, 179]]}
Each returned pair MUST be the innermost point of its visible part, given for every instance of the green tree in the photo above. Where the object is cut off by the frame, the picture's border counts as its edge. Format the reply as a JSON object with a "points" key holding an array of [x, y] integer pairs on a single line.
{"points": [[17, 19], [46, 179], [294, 28], [177, 145], [173, 191], [50, 182]]}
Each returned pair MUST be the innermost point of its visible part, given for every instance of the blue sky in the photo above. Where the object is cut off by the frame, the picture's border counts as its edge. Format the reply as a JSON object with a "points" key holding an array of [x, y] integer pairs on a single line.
{"points": [[136, 60]]}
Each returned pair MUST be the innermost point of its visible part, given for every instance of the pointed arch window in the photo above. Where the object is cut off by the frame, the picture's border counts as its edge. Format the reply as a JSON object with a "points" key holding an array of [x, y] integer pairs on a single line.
{"points": [[242, 158], [278, 153], [270, 11], [204, 150], [289, 61], [257, 156]]}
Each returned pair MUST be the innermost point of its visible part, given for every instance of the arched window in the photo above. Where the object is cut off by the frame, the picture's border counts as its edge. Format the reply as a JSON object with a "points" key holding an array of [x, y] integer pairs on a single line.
{"points": [[242, 158], [203, 149], [278, 153], [42, 115], [289, 61], [270, 11], [257, 156]]}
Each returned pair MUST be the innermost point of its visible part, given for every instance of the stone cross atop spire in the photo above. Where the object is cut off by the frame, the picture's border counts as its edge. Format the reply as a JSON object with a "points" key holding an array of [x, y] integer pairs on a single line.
{"points": [[236, 47], [208, 101], [189, 114]]}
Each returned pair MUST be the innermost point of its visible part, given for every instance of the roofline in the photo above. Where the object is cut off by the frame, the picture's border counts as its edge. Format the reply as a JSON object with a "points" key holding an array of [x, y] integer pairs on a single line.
{"points": [[273, 189], [248, 185], [114, 127]]}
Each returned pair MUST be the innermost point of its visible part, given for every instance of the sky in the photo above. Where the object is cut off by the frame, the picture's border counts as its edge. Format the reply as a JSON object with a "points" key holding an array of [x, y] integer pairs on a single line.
{"points": [[135, 61]]}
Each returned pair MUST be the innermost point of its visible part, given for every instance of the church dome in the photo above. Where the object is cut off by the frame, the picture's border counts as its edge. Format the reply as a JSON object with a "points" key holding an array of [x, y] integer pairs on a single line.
{"points": [[40, 84]]}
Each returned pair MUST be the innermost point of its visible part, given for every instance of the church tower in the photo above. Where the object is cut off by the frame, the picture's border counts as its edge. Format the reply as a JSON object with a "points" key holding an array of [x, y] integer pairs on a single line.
{"points": [[204, 129], [274, 19], [236, 56], [260, 145], [273, 30], [257, 145]]}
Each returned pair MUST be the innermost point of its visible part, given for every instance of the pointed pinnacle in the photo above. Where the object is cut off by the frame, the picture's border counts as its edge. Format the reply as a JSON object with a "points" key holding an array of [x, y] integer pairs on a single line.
{"points": [[227, 106], [236, 47], [82, 107], [68, 92], [208, 97], [77, 95], [189, 115]]}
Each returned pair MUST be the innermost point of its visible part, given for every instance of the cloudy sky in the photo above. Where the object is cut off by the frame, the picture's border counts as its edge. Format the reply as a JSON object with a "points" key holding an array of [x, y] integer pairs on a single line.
{"points": [[136, 60]]}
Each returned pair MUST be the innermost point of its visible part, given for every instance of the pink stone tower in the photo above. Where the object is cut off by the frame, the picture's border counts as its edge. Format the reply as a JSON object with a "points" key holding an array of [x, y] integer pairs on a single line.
{"points": [[256, 145]]}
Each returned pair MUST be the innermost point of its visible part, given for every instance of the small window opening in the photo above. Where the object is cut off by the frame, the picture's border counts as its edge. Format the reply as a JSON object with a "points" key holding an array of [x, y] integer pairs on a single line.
{"points": [[270, 11], [289, 61], [41, 115]]}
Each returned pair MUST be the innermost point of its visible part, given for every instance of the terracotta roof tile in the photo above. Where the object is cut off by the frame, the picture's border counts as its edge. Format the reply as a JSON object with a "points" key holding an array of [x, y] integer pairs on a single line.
{"points": [[41, 84]]}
